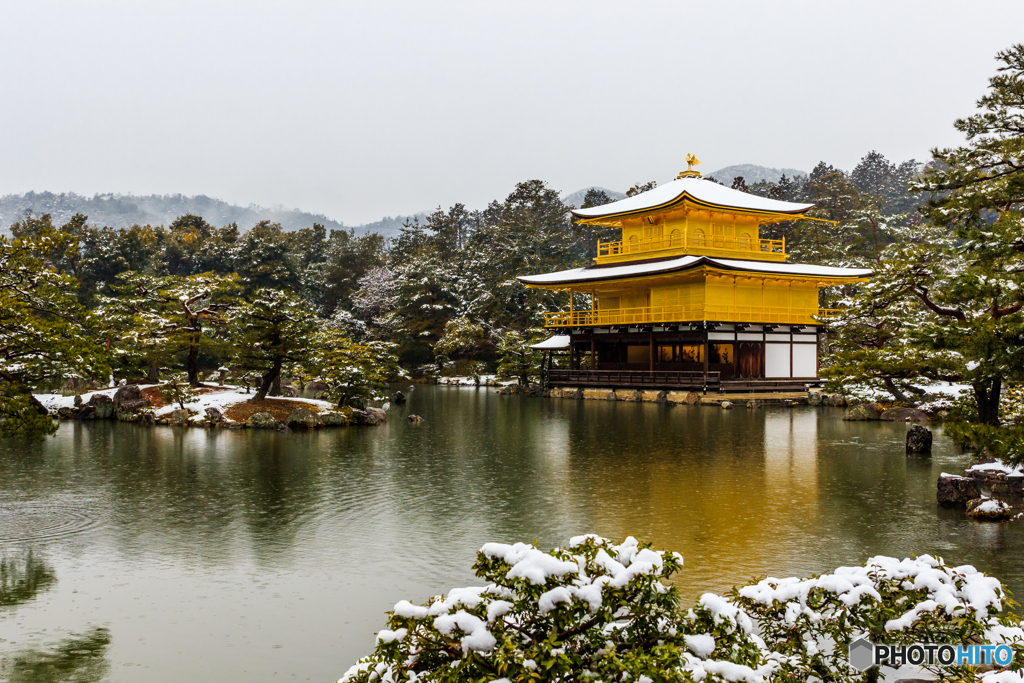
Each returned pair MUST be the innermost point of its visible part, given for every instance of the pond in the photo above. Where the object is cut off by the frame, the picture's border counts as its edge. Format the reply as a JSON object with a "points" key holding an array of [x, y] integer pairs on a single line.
{"points": [[170, 554]]}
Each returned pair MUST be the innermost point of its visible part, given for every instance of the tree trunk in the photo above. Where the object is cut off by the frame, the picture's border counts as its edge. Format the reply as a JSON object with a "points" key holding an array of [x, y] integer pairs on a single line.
{"points": [[40, 408], [192, 366], [986, 395], [153, 374], [276, 389], [895, 391], [268, 379]]}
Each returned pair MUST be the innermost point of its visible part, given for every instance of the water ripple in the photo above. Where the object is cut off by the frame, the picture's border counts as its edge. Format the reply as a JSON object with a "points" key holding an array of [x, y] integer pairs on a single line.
{"points": [[43, 520]]}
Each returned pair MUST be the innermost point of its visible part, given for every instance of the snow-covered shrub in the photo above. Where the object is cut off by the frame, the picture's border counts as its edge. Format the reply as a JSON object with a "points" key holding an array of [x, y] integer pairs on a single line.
{"points": [[601, 611], [920, 600]]}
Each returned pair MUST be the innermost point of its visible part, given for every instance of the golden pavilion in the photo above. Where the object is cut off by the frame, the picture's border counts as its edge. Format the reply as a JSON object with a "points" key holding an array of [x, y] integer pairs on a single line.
{"points": [[691, 296]]}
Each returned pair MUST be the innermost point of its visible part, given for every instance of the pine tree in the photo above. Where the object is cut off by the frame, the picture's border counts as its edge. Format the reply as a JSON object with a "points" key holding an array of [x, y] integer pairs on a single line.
{"points": [[45, 334], [462, 340], [517, 359], [271, 329], [149, 320], [978, 195], [352, 369], [875, 342]]}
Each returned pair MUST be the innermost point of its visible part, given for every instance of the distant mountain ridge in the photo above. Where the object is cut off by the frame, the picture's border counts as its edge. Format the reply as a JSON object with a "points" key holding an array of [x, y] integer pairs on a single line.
{"points": [[576, 198], [123, 211], [752, 173]]}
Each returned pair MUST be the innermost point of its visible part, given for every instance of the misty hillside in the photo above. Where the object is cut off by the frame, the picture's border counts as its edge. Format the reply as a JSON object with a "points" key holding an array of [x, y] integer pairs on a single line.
{"points": [[122, 211], [576, 198], [390, 227], [752, 173]]}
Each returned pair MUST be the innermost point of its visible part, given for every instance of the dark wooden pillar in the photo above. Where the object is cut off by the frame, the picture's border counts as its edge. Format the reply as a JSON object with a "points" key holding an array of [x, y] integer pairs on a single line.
{"points": [[652, 351], [707, 353], [593, 353]]}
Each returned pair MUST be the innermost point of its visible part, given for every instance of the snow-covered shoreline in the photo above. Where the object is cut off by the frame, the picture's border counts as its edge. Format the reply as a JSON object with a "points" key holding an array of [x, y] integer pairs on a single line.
{"points": [[220, 398]]}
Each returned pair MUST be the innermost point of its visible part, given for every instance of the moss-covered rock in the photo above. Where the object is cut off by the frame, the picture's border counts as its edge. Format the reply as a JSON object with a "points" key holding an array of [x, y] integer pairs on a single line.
{"points": [[303, 418], [370, 416], [863, 412], [335, 419], [104, 406], [989, 510], [261, 421], [903, 414]]}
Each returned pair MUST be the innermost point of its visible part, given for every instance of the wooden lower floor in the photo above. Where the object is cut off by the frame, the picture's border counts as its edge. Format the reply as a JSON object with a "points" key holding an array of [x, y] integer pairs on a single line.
{"points": [[709, 357]]}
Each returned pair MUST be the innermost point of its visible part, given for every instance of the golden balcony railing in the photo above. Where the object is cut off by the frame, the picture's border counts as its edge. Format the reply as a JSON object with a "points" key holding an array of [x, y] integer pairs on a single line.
{"points": [[676, 314], [692, 242]]}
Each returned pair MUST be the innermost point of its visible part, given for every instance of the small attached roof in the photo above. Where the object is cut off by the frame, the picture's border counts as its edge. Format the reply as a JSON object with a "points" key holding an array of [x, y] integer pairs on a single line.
{"points": [[559, 341], [684, 263], [697, 191]]}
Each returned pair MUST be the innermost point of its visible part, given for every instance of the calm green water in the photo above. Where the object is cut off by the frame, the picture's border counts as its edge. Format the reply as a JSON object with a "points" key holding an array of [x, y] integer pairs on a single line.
{"points": [[159, 554]]}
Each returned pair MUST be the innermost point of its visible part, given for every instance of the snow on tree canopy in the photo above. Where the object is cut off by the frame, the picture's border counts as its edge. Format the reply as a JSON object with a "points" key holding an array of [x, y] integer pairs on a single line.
{"points": [[602, 611]]}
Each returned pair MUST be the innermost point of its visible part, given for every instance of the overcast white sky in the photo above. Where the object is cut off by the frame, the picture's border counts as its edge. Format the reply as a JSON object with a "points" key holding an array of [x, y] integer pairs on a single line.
{"points": [[362, 109]]}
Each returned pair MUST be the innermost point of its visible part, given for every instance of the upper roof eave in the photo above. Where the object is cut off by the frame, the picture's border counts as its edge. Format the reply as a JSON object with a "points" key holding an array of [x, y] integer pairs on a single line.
{"points": [[701, 193]]}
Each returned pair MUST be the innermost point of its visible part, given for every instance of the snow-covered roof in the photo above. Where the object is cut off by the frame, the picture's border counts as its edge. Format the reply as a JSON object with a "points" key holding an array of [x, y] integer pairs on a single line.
{"points": [[703, 193], [682, 263], [559, 341]]}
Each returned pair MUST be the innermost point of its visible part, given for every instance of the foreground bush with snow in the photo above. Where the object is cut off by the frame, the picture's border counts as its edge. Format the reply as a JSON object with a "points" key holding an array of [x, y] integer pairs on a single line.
{"points": [[603, 612]]}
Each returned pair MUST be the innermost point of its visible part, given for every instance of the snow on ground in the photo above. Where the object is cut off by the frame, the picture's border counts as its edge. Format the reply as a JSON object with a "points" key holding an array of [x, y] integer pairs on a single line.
{"points": [[997, 467], [54, 401], [948, 389], [221, 398], [940, 390]]}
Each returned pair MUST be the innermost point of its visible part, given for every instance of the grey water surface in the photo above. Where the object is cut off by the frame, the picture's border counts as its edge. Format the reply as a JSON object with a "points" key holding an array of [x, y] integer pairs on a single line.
{"points": [[167, 554]]}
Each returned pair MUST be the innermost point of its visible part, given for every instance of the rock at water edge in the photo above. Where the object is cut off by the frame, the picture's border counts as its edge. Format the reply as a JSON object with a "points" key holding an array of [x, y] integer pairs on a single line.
{"points": [[864, 412], [303, 418], [989, 510], [130, 392], [919, 439], [955, 491], [261, 421]]}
